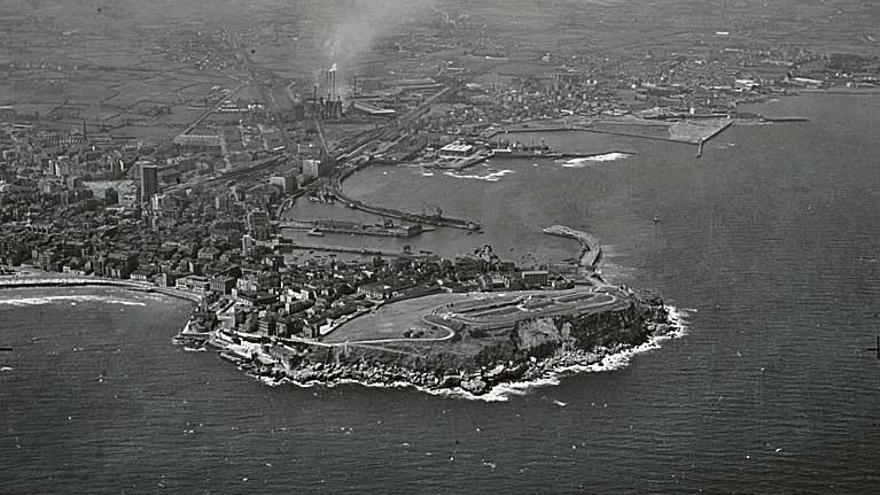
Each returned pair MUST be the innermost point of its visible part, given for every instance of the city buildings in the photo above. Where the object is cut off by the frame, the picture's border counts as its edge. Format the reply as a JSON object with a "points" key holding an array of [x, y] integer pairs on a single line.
{"points": [[258, 224], [149, 181], [317, 168]]}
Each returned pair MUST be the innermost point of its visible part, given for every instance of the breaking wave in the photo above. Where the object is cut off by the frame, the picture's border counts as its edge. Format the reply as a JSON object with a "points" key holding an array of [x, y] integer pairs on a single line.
{"points": [[491, 177], [590, 160], [612, 359], [73, 300]]}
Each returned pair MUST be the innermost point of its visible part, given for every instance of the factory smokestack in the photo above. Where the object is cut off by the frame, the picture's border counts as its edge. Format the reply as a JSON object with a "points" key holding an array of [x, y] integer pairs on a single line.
{"points": [[326, 83]]}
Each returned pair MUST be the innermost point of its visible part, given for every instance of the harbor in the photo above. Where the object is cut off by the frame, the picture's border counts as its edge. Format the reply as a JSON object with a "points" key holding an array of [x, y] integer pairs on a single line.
{"points": [[436, 219]]}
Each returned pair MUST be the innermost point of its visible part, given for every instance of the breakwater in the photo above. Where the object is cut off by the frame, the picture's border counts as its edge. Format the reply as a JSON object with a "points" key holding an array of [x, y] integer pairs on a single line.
{"points": [[353, 250], [591, 252], [710, 136]]}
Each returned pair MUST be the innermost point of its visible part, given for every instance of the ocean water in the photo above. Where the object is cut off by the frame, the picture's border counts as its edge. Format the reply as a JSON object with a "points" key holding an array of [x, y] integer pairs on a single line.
{"points": [[769, 242]]}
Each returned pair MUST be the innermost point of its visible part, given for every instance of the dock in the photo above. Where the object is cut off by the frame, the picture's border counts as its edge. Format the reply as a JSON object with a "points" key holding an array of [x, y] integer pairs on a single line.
{"points": [[438, 220], [321, 227], [357, 251], [560, 156], [779, 120], [463, 163]]}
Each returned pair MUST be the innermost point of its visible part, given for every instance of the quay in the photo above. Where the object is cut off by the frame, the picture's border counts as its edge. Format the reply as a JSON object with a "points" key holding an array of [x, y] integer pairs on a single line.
{"points": [[632, 135], [388, 229], [783, 119], [559, 156], [543, 128], [461, 164], [354, 250], [438, 220], [582, 128]]}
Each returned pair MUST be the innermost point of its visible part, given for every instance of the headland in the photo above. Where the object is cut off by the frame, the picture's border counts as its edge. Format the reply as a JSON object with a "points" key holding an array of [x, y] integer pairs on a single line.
{"points": [[519, 327]]}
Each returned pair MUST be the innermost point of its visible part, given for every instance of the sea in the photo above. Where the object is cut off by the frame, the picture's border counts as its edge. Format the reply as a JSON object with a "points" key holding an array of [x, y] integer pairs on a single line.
{"points": [[768, 245]]}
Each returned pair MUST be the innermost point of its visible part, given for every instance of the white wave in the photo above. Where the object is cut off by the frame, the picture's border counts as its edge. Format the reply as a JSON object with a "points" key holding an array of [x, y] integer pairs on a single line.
{"points": [[589, 160], [491, 177], [616, 359], [611, 360], [39, 301], [427, 174]]}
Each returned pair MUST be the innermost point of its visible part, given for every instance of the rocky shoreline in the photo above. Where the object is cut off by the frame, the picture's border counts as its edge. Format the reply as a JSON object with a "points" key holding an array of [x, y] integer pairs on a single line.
{"points": [[280, 361]]}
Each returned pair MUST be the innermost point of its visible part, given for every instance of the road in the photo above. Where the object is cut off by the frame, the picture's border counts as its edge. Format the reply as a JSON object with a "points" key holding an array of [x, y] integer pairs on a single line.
{"points": [[599, 302]]}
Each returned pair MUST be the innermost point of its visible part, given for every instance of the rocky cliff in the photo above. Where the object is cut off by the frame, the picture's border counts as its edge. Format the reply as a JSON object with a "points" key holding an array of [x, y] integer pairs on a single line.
{"points": [[476, 361]]}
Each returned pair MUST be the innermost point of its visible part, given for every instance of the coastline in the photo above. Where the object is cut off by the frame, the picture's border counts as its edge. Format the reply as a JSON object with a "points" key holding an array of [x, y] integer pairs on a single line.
{"points": [[307, 363], [501, 382], [36, 279]]}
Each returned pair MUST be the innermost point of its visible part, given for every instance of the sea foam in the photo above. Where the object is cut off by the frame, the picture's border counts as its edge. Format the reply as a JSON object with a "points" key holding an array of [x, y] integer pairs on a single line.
{"points": [[590, 160], [39, 301], [491, 177], [613, 359], [616, 359]]}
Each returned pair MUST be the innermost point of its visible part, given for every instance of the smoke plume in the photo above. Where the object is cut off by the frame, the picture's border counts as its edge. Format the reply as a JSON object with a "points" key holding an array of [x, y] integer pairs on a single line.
{"points": [[362, 22]]}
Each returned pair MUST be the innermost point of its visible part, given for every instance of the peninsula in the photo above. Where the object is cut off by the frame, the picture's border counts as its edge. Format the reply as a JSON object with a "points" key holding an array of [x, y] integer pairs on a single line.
{"points": [[510, 326]]}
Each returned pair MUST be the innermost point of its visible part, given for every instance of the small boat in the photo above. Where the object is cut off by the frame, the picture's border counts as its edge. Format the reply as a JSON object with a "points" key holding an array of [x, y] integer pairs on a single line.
{"points": [[315, 233], [656, 219]]}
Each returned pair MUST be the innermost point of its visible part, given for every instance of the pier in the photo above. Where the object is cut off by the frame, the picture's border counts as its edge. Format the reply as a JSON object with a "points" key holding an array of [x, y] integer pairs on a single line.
{"points": [[437, 220], [560, 156], [782, 120], [353, 250], [710, 136], [388, 229]]}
